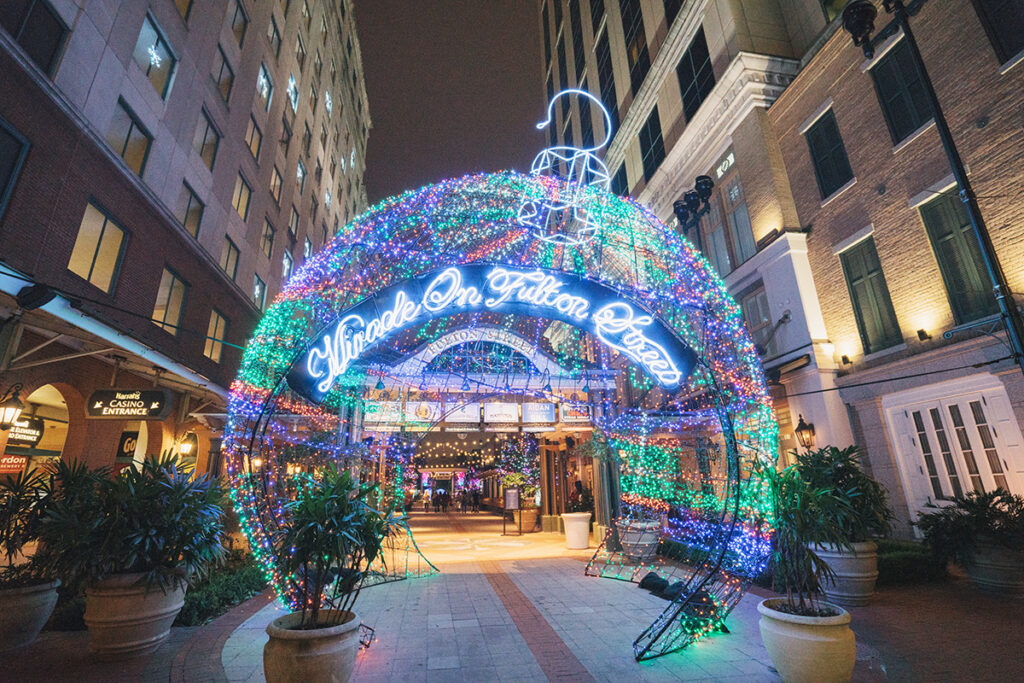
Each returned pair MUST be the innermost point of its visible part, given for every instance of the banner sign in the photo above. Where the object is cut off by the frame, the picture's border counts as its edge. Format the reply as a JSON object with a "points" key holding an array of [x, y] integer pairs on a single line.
{"points": [[538, 428], [129, 404], [12, 464], [583, 303], [127, 445], [466, 412], [422, 411], [501, 412], [538, 412], [26, 432], [575, 413], [382, 411]]}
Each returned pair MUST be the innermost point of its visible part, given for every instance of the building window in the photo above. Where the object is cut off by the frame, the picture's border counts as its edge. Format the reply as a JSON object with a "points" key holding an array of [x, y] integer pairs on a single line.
{"points": [[758, 318], [307, 249], [1004, 22], [741, 234], [259, 292], [323, 136], [328, 103], [128, 138], [264, 87], [38, 29], [959, 255], [206, 140], [334, 71], [652, 147], [831, 166], [286, 136], [300, 176], [606, 79], [307, 138], [576, 23], [253, 138], [620, 183], [293, 222], [728, 237], [184, 8], [300, 52], [274, 36], [229, 258], [323, 29], [586, 122], [333, 166], [547, 36], [563, 75], [13, 149], [596, 14], [287, 263], [190, 214], [313, 211], [637, 57], [223, 74], [672, 8], [275, 185], [872, 307], [318, 63], [170, 301], [215, 333], [240, 199], [832, 8], [267, 238], [313, 97], [307, 18], [153, 55], [696, 77], [96, 255], [239, 22], [901, 92]]}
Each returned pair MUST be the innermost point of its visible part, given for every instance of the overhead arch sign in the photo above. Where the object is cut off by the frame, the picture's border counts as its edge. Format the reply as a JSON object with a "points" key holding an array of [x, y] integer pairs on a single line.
{"points": [[591, 306]]}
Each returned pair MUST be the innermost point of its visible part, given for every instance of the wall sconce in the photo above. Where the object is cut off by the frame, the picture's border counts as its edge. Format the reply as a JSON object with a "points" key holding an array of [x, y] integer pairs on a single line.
{"points": [[805, 433], [10, 407], [922, 335], [188, 444], [846, 360]]}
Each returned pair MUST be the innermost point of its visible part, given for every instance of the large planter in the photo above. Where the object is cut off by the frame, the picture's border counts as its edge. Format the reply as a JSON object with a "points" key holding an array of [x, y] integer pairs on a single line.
{"points": [[996, 568], [855, 572], [808, 649], [318, 654], [23, 613], [577, 530], [639, 540], [530, 517], [126, 618]]}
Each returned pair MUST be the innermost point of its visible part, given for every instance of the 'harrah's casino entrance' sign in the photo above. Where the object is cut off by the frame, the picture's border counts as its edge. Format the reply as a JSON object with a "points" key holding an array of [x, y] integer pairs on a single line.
{"points": [[129, 404], [586, 304]]}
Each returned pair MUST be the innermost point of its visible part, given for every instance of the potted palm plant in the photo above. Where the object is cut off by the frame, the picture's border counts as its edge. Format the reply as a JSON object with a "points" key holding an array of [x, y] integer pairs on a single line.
{"points": [[27, 595], [324, 552], [808, 639], [519, 464], [853, 565], [134, 540], [983, 533]]}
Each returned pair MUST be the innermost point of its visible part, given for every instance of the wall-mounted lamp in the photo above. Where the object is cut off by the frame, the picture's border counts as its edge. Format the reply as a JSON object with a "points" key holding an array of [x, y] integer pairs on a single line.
{"points": [[805, 433], [10, 407], [846, 360], [189, 444], [923, 335]]}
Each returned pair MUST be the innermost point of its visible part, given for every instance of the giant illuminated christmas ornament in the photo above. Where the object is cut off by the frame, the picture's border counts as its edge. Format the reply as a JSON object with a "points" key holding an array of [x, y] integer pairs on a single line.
{"points": [[622, 315]]}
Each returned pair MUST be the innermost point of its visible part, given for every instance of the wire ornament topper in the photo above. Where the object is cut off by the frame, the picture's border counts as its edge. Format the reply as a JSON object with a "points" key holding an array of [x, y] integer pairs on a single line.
{"points": [[559, 217]]}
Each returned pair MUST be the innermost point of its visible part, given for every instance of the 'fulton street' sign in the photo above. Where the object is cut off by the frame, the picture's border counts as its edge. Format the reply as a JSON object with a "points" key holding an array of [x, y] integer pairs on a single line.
{"points": [[584, 303], [129, 404]]}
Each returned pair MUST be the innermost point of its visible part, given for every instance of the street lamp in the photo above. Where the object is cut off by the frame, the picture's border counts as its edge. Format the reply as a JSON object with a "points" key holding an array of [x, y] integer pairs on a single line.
{"points": [[10, 407], [694, 204], [859, 20], [804, 433]]}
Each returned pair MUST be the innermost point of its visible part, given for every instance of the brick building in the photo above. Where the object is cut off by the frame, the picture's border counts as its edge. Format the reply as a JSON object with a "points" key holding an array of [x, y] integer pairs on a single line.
{"points": [[164, 167], [905, 299]]}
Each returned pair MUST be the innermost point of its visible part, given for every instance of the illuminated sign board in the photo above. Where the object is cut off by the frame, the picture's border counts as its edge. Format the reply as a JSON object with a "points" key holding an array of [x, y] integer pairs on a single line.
{"points": [[501, 412], [538, 412], [575, 413], [584, 303], [465, 412], [12, 464], [130, 404], [26, 432], [382, 411], [422, 411]]}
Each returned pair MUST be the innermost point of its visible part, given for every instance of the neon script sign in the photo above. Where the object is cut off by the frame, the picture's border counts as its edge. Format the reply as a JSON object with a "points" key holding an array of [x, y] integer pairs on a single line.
{"points": [[583, 303]]}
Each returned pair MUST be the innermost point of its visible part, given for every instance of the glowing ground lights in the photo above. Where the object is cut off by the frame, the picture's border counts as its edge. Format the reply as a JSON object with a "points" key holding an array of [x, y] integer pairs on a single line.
{"points": [[474, 222]]}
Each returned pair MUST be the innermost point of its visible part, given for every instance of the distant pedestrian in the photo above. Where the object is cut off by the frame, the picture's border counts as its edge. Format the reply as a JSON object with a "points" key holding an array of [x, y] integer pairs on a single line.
{"points": [[426, 501], [464, 500], [437, 501], [476, 501], [445, 500]]}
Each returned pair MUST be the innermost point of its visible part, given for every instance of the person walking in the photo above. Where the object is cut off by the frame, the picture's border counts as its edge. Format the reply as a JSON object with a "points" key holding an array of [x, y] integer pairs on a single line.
{"points": [[437, 501], [464, 500], [426, 501], [476, 500]]}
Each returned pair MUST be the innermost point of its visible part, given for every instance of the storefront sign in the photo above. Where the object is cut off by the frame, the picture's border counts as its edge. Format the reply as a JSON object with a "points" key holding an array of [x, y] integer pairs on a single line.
{"points": [[26, 432], [132, 404], [502, 428], [538, 428], [382, 411], [538, 412], [512, 499], [126, 447], [501, 412], [584, 303], [575, 413], [12, 464], [422, 411], [465, 412]]}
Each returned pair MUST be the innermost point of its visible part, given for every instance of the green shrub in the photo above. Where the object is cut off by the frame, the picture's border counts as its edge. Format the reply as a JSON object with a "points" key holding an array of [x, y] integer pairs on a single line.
{"points": [[908, 567], [232, 585]]}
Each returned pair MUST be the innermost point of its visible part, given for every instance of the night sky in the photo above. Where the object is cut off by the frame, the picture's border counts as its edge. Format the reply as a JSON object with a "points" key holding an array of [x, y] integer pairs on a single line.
{"points": [[454, 87]]}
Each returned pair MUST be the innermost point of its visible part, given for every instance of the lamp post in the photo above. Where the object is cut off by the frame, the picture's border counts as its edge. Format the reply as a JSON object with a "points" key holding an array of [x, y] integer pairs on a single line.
{"points": [[693, 205], [859, 20], [804, 434], [10, 407]]}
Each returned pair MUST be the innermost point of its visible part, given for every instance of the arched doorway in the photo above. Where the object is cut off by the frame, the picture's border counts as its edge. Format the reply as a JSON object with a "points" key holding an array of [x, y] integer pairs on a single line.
{"points": [[38, 437], [633, 301]]}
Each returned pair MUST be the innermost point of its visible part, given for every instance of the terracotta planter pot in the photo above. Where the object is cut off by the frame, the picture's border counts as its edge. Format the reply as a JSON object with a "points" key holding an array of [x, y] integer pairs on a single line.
{"points": [[856, 572], [577, 530], [639, 539], [530, 517], [127, 619], [23, 613], [997, 569], [319, 654], [808, 649]]}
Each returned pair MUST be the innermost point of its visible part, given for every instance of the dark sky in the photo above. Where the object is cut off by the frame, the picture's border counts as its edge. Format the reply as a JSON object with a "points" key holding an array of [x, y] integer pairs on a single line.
{"points": [[454, 86]]}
